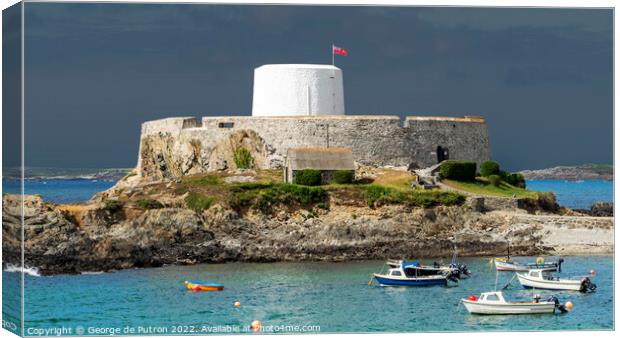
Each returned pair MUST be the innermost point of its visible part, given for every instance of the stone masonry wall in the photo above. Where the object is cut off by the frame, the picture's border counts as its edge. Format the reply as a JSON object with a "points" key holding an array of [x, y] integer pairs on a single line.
{"points": [[180, 146]]}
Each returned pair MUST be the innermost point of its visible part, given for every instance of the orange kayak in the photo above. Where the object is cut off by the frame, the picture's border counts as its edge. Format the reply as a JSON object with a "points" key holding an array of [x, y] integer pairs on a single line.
{"points": [[200, 286]]}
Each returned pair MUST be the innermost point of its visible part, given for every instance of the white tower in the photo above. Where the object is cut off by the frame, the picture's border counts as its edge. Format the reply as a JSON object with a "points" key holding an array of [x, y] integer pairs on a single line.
{"points": [[297, 90]]}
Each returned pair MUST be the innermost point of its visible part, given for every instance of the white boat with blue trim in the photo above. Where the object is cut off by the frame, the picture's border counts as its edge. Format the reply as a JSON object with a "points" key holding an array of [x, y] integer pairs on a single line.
{"points": [[541, 279], [507, 264]]}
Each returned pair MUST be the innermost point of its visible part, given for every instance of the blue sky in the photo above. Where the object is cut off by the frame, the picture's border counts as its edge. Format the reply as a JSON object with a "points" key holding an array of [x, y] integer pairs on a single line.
{"points": [[541, 77]]}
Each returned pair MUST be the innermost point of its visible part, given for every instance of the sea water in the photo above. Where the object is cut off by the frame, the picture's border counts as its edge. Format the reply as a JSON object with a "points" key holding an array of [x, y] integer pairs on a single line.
{"points": [[578, 194], [59, 190], [304, 296]]}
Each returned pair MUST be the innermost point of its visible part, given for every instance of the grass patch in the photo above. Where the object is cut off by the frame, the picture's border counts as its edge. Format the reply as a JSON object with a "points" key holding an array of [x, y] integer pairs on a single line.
{"points": [[112, 205], [264, 196], [482, 186], [243, 158], [377, 194], [207, 180], [198, 202], [149, 204]]}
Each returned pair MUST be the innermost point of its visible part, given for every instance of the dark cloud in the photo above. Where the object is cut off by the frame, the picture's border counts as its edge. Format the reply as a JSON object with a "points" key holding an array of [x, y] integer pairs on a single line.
{"points": [[94, 72]]}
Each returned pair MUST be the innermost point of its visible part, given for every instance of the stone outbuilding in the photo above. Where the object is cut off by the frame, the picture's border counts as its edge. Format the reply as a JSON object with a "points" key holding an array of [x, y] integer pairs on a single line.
{"points": [[327, 160]]}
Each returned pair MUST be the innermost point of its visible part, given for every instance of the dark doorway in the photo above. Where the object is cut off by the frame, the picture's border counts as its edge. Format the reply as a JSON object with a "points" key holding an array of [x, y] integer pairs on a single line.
{"points": [[442, 154]]}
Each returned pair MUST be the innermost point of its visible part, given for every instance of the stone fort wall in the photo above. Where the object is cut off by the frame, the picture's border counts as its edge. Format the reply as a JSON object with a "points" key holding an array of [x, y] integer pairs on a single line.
{"points": [[175, 147]]}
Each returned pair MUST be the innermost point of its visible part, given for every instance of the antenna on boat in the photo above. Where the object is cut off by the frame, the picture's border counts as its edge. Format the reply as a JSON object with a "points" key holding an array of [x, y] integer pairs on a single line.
{"points": [[508, 249]]}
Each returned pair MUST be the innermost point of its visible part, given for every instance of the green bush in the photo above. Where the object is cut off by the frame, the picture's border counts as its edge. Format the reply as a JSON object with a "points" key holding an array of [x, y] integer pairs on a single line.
{"points": [[377, 193], [264, 196], [458, 170], [343, 176], [515, 179], [301, 194], [307, 177], [149, 204], [198, 202], [547, 201], [495, 180], [489, 168], [243, 158], [112, 205]]}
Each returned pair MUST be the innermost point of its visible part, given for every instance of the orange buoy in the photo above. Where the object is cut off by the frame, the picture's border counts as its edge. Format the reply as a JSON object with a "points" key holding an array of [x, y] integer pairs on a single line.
{"points": [[256, 325], [568, 305], [237, 304]]}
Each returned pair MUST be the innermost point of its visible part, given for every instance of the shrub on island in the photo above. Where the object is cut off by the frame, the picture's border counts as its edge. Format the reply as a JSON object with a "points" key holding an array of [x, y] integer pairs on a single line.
{"points": [[264, 196], [243, 158], [198, 202], [149, 204], [514, 179], [377, 194], [488, 168], [309, 177], [458, 170], [112, 205], [343, 176]]}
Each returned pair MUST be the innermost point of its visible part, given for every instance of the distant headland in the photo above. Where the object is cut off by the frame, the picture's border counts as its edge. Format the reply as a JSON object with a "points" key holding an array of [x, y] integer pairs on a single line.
{"points": [[578, 172]]}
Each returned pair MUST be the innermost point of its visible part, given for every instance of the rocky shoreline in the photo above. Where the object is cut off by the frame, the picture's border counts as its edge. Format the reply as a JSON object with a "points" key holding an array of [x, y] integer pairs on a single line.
{"points": [[95, 237]]}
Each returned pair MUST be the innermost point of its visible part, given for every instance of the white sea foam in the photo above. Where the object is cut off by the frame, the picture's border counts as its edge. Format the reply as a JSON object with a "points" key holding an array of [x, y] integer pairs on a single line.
{"points": [[27, 270]]}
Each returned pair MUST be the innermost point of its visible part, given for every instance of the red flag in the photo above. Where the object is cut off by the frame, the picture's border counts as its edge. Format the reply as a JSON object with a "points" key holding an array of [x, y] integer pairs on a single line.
{"points": [[339, 51]]}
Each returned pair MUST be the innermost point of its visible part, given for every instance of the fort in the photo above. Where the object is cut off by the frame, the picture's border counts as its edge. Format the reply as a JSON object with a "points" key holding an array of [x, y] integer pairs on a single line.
{"points": [[302, 106]]}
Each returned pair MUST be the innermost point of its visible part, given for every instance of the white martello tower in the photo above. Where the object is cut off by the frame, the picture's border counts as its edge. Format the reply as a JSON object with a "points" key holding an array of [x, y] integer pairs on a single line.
{"points": [[297, 90]]}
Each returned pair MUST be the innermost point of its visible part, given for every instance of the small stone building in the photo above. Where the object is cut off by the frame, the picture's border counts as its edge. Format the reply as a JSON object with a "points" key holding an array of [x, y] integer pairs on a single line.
{"points": [[327, 160]]}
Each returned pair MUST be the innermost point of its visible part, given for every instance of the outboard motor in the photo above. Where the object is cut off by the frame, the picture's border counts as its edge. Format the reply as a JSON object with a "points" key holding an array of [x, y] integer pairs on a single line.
{"points": [[464, 270], [452, 276], [558, 306], [560, 261], [587, 285]]}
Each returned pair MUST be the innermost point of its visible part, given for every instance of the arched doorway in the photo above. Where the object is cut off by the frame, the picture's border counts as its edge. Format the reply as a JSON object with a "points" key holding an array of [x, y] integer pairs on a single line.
{"points": [[442, 154]]}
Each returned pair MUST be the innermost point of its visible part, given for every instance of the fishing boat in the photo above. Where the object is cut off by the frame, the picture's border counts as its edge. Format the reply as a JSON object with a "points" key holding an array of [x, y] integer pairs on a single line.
{"points": [[541, 279], [201, 286], [494, 303], [413, 274], [507, 264]]}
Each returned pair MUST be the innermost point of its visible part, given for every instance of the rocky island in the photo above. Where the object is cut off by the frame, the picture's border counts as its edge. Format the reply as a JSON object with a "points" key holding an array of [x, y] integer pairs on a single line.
{"points": [[300, 180], [249, 215]]}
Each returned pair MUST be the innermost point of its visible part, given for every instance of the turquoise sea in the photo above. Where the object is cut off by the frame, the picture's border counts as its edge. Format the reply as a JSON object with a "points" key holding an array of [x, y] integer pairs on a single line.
{"points": [[285, 297], [312, 296], [578, 194]]}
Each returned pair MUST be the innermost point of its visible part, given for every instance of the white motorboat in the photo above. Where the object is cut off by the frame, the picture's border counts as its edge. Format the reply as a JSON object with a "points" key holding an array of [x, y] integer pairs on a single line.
{"points": [[493, 303], [507, 264], [540, 279]]}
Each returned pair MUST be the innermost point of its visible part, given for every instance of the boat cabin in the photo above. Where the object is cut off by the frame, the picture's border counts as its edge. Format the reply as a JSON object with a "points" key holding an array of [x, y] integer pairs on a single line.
{"points": [[412, 269], [492, 297], [540, 274]]}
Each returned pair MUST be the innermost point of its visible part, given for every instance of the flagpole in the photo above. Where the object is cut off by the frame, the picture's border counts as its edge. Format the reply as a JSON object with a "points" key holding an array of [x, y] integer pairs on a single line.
{"points": [[333, 64]]}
